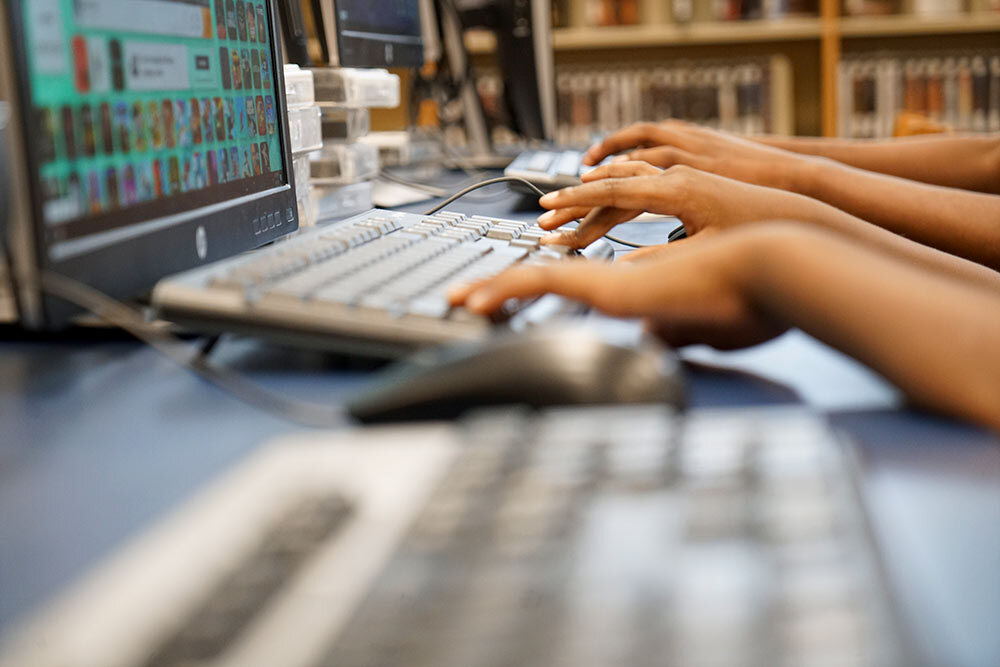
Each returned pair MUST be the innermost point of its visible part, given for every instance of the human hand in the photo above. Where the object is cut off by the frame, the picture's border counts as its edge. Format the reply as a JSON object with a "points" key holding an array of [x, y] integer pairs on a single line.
{"points": [[617, 192], [675, 142], [595, 222], [692, 292]]}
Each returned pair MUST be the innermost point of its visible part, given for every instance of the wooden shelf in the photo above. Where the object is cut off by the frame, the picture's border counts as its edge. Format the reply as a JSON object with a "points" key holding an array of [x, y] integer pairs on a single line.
{"points": [[827, 31], [727, 32], [715, 32], [885, 26], [720, 32]]}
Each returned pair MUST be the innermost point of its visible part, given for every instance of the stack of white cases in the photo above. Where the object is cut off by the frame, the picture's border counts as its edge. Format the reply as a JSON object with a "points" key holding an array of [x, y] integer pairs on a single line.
{"points": [[343, 172], [305, 135]]}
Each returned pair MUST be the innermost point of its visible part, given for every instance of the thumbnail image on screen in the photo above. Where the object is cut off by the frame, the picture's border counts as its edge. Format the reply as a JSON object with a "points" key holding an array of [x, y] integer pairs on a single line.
{"points": [[148, 103]]}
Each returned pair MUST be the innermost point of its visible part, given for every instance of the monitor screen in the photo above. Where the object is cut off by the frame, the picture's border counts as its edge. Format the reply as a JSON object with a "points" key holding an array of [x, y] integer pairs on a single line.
{"points": [[148, 108], [375, 33]]}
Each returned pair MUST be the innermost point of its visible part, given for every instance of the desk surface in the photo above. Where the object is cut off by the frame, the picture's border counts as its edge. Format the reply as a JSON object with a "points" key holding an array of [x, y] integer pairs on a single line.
{"points": [[99, 438]]}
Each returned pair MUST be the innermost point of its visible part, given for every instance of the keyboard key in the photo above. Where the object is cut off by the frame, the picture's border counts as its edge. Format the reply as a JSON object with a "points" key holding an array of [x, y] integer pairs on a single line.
{"points": [[436, 307], [540, 161], [502, 234], [568, 163]]}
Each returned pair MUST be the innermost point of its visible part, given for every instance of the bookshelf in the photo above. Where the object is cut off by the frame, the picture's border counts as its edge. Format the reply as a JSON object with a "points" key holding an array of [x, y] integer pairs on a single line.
{"points": [[901, 24], [813, 45], [667, 34]]}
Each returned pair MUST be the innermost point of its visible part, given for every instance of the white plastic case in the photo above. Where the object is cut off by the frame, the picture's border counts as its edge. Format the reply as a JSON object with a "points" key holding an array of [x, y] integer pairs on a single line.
{"points": [[342, 164], [345, 125], [305, 129], [299, 87], [400, 149], [356, 88]]}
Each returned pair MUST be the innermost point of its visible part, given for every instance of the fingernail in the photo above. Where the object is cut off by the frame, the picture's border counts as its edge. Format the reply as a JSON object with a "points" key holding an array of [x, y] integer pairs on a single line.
{"points": [[545, 217], [478, 301], [547, 199], [455, 294]]}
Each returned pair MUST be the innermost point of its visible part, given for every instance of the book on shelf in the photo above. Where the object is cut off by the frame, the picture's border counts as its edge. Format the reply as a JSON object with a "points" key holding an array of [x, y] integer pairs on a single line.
{"points": [[958, 90], [596, 13], [751, 96]]}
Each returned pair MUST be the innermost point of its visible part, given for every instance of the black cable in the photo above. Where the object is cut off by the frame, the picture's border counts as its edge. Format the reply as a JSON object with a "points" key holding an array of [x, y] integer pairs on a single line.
{"points": [[628, 243], [482, 184], [518, 179], [209, 345], [190, 357]]}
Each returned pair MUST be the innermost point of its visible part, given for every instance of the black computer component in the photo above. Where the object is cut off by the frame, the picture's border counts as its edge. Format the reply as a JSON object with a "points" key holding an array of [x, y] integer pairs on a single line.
{"points": [[295, 32], [373, 33], [524, 50], [119, 175], [524, 54]]}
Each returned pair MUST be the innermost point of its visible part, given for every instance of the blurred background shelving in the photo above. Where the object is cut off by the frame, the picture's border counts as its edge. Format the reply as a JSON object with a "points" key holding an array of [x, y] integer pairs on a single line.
{"points": [[812, 36]]}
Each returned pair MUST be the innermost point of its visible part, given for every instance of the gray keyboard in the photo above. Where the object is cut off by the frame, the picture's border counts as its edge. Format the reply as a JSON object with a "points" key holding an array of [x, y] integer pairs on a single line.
{"points": [[630, 536], [377, 281], [581, 537], [549, 168]]}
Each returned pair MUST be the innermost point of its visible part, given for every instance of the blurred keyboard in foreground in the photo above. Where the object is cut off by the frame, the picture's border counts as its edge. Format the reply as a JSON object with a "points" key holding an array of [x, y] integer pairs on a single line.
{"points": [[598, 536]]}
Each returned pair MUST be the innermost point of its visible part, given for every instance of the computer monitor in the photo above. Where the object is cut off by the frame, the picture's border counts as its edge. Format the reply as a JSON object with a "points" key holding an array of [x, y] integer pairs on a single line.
{"points": [[373, 33], [523, 30], [147, 138], [524, 57]]}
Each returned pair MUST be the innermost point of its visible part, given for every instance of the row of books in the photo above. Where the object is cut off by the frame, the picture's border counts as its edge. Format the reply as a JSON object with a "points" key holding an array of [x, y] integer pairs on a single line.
{"points": [[627, 12], [566, 13], [918, 7], [960, 90], [750, 96]]}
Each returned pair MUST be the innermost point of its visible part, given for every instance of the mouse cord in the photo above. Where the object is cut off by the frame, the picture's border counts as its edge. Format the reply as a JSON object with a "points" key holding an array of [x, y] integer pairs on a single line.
{"points": [[516, 179], [431, 190], [193, 358]]}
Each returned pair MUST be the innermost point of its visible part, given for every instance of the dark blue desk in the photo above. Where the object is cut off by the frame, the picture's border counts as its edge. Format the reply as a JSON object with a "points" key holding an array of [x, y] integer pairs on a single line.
{"points": [[99, 438]]}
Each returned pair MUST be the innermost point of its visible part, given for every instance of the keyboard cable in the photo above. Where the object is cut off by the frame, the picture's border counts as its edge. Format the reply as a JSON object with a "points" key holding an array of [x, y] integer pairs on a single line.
{"points": [[192, 357], [517, 179]]}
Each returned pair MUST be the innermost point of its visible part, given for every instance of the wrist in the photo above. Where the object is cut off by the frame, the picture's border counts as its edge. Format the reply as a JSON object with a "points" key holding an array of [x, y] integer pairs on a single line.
{"points": [[806, 175], [753, 250], [762, 256]]}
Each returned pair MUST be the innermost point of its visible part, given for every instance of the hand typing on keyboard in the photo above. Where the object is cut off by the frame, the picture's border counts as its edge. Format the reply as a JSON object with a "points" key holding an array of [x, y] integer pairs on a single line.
{"points": [[617, 192], [746, 285], [676, 142], [381, 276]]}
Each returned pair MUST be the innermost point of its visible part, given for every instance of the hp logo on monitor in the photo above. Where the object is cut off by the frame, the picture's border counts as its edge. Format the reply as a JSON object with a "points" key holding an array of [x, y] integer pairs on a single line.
{"points": [[201, 243]]}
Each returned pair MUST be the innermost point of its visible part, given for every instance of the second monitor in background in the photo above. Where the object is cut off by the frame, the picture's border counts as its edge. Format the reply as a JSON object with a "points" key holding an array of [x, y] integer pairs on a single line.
{"points": [[373, 33], [523, 33], [524, 59]]}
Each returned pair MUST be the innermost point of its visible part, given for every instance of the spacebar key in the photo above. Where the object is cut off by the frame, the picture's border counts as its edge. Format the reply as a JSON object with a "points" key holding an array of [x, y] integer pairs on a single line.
{"points": [[429, 306]]}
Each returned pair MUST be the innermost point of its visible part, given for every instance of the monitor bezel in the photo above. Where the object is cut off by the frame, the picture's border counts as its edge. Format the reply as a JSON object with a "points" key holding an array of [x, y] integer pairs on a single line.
{"points": [[400, 56], [150, 250]]}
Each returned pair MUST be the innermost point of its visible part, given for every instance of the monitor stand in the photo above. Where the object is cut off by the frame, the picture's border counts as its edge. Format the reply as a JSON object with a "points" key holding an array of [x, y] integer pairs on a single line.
{"points": [[479, 152], [8, 305]]}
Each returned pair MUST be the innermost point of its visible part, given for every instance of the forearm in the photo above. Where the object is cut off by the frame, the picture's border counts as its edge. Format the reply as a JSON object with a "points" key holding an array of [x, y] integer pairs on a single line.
{"points": [[966, 224], [801, 208], [933, 336], [970, 163]]}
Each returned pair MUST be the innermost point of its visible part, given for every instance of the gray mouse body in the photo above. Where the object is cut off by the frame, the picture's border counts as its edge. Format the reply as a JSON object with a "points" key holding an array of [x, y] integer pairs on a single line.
{"points": [[565, 364]]}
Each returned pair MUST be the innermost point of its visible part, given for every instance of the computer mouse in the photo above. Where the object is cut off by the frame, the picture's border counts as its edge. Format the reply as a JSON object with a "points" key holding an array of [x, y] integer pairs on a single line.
{"points": [[571, 363]]}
